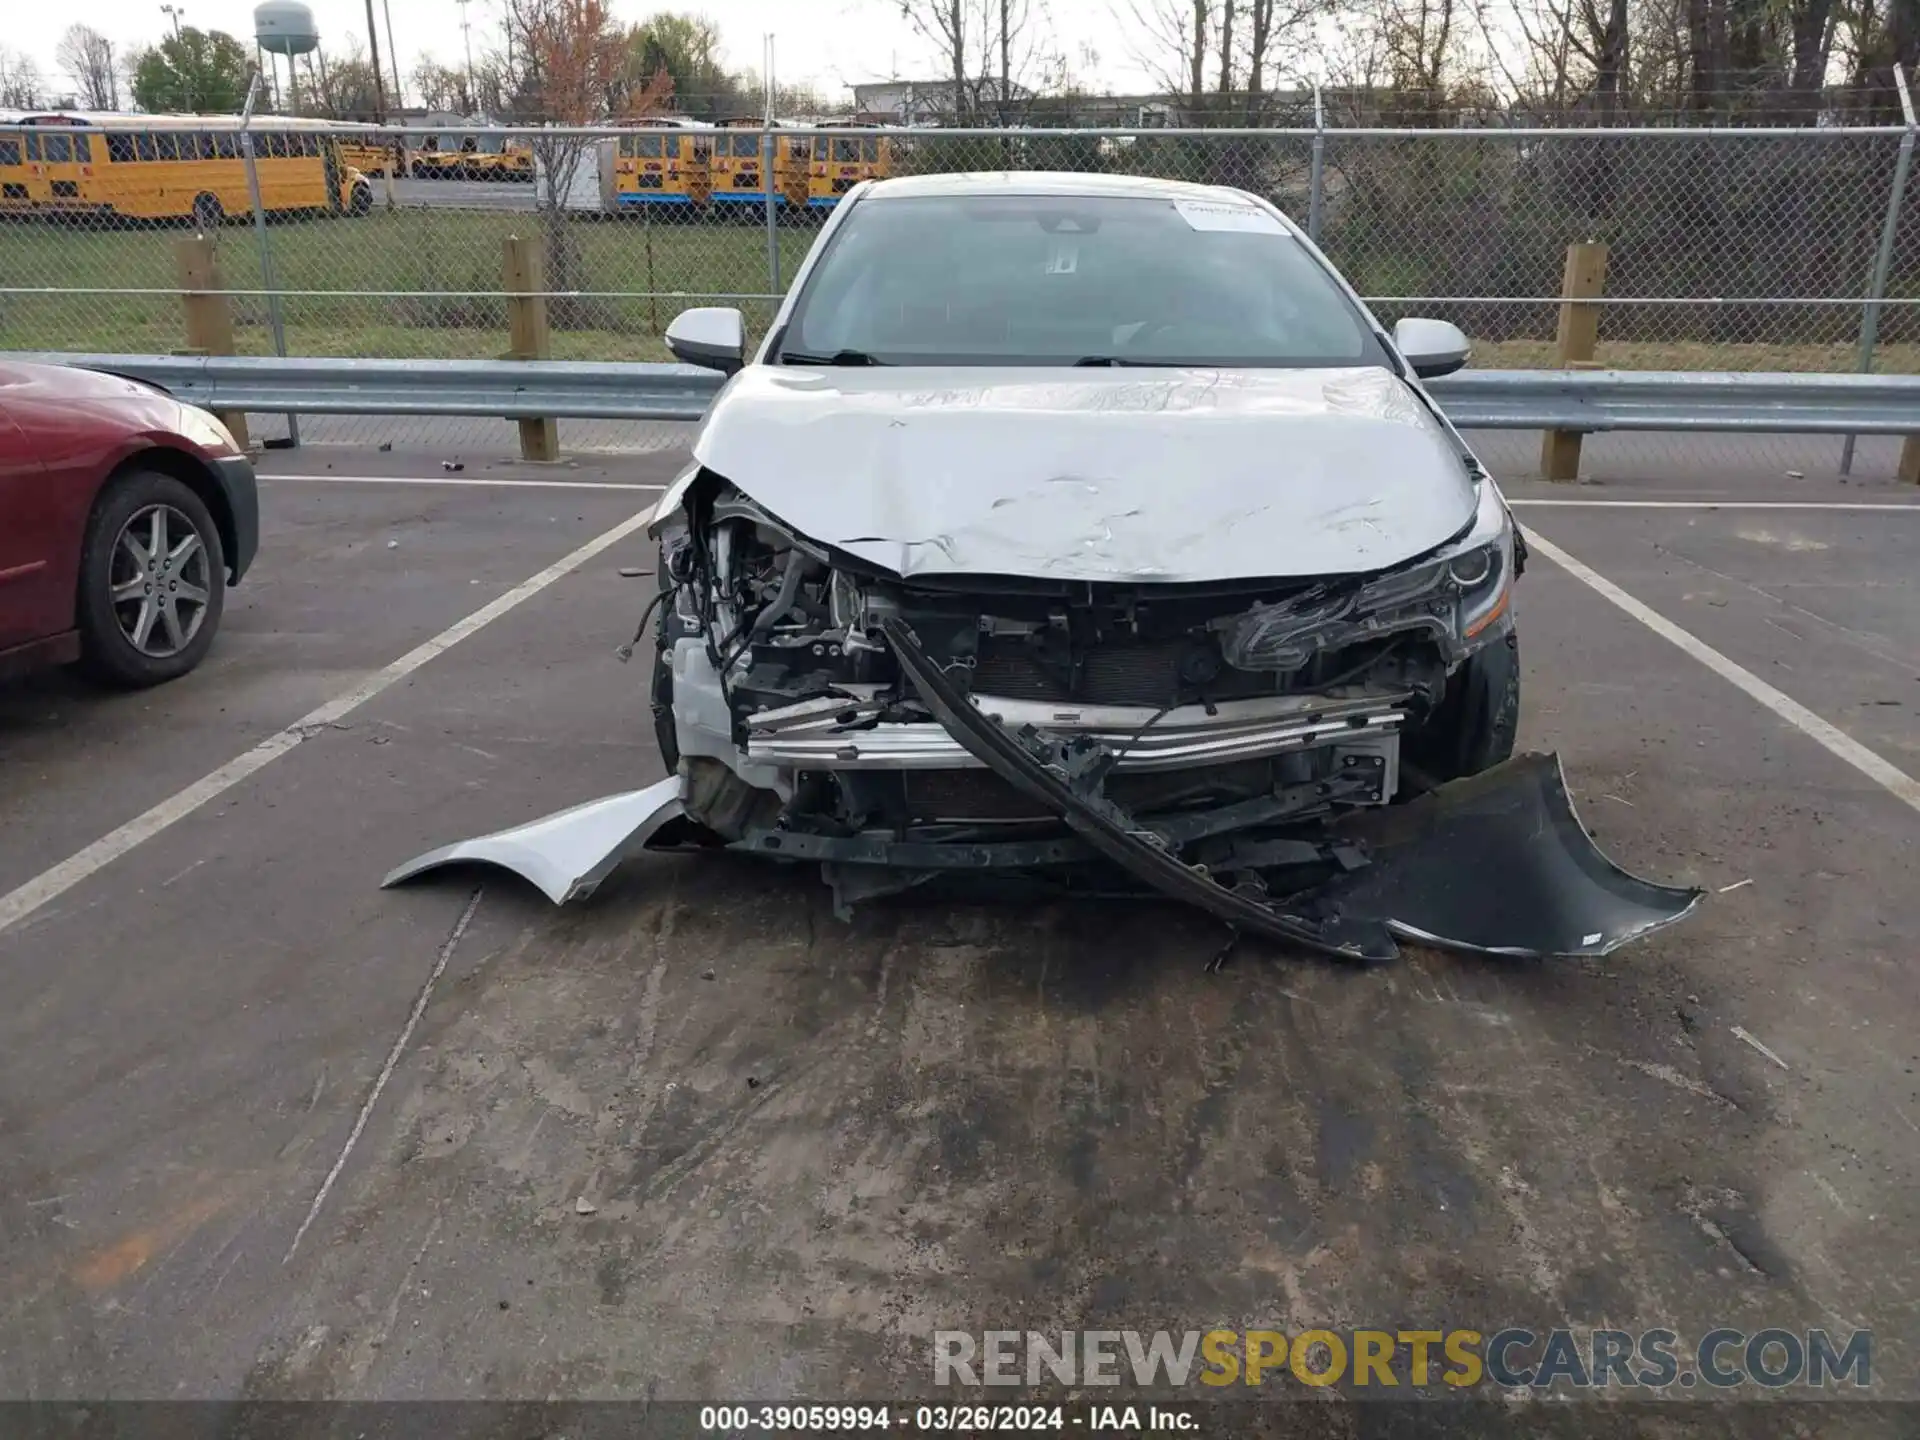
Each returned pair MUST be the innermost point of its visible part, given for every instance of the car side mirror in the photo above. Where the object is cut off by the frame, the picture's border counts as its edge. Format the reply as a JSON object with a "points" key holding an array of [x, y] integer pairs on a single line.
{"points": [[1431, 348], [711, 336]]}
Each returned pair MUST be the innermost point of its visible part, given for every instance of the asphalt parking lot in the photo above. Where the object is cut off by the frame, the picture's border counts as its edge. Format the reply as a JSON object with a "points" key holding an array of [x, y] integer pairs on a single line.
{"points": [[458, 194], [273, 1132]]}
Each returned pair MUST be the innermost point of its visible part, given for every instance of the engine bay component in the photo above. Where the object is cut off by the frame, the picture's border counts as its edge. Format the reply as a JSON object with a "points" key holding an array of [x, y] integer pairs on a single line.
{"points": [[1046, 772]]}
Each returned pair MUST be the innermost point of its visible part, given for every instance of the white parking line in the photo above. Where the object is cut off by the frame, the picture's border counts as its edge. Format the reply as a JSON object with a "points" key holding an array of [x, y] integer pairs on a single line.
{"points": [[481, 482], [17, 904], [1837, 742], [386, 1070], [1716, 505]]}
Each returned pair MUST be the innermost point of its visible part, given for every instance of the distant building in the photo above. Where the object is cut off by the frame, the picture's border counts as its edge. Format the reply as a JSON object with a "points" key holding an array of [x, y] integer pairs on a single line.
{"points": [[904, 102], [931, 102]]}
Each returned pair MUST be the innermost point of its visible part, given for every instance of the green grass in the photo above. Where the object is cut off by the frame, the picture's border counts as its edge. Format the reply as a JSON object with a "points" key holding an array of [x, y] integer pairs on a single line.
{"points": [[404, 250], [1889, 359], [463, 250]]}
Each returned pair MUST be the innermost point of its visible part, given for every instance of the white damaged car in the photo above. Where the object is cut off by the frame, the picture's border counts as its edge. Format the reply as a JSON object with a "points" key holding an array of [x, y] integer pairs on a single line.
{"points": [[1087, 534]]}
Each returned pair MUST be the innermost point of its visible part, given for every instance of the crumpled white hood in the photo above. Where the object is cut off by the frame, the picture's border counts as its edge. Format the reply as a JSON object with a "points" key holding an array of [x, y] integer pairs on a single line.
{"points": [[1157, 476]]}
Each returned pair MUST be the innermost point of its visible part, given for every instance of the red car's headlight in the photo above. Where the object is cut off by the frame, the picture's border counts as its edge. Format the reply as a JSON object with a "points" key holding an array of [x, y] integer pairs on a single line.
{"points": [[204, 429]]}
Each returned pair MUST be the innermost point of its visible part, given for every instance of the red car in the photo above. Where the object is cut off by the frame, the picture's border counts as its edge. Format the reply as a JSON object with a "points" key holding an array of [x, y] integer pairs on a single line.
{"points": [[124, 517]]}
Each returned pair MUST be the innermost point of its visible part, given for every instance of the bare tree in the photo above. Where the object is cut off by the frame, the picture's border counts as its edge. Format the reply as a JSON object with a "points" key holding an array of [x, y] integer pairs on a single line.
{"points": [[87, 57], [1536, 73], [955, 29], [1225, 86], [1418, 37], [1657, 40], [1276, 30], [1261, 34], [1172, 41], [1244, 41], [22, 87], [569, 68], [1879, 35], [1704, 55], [1196, 79], [989, 51], [343, 85], [1006, 55], [1571, 56], [442, 87], [1815, 24], [1603, 44]]}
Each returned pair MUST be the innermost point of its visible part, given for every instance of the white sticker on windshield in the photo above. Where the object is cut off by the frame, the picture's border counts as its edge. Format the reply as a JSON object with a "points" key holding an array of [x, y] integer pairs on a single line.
{"points": [[1204, 215]]}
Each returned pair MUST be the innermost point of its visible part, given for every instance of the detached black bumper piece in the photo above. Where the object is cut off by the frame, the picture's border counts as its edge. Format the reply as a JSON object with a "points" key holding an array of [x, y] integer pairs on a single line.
{"points": [[1495, 864], [1499, 864]]}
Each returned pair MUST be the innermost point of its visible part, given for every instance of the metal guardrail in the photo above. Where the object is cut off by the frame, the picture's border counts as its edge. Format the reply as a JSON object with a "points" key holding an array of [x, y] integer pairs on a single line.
{"points": [[1592, 401], [1587, 401], [507, 389]]}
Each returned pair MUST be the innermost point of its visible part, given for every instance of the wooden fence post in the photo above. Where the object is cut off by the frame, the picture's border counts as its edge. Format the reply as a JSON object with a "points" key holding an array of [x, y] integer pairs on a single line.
{"points": [[1910, 460], [1579, 333], [531, 340], [209, 313]]}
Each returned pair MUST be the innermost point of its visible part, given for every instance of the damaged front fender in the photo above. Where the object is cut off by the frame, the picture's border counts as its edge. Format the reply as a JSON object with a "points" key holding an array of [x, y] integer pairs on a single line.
{"points": [[568, 854]]}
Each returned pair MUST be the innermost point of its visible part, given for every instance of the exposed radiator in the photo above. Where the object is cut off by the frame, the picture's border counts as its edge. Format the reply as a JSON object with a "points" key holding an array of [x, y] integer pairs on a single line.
{"points": [[983, 795], [1119, 672]]}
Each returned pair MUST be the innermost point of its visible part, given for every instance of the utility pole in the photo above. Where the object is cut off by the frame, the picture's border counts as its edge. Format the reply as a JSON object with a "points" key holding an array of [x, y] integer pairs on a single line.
{"points": [[173, 13], [393, 56], [379, 84], [466, 36], [1005, 52]]}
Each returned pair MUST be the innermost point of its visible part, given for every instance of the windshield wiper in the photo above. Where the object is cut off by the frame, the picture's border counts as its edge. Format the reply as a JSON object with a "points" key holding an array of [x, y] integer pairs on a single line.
{"points": [[1114, 360], [838, 357]]}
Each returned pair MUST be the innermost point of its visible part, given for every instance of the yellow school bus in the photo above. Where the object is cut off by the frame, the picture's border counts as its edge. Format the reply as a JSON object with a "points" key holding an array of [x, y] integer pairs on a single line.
{"points": [[841, 162], [664, 163], [737, 179], [473, 155], [364, 148], [511, 161], [13, 165], [433, 161], [173, 167]]}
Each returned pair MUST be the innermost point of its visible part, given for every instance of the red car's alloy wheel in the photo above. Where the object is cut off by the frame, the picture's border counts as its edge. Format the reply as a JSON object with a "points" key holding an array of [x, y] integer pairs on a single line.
{"points": [[161, 581]]}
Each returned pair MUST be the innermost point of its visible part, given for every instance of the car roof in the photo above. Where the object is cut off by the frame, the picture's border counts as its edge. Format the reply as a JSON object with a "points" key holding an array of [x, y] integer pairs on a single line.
{"points": [[1048, 182]]}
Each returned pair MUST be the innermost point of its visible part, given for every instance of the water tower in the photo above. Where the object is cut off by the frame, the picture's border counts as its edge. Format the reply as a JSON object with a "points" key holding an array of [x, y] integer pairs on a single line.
{"points": [[286, 27]]}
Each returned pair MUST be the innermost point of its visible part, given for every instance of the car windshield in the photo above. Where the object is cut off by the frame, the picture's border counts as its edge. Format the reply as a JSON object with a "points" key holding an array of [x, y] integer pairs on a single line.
{"points": [[1064, 280]]}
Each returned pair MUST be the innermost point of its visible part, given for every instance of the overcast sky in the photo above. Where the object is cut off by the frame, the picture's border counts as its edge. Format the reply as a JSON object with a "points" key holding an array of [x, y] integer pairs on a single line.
{"points": [[831, 43]]}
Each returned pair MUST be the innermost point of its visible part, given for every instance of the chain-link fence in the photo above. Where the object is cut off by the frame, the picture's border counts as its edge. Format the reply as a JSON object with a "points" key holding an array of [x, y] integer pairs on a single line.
{"points": [[1733, 248]]}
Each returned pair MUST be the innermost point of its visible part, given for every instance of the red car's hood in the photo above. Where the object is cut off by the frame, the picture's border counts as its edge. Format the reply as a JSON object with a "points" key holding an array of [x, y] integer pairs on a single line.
{"points": [[61, 382], [29, 390]]}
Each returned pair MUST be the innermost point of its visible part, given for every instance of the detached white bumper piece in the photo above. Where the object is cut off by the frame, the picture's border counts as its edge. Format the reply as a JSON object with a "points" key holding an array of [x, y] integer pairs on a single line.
{"points": [[568, 854]]}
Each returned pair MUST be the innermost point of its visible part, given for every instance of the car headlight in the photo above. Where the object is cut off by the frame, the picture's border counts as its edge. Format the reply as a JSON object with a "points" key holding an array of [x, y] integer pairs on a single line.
{"points": [[205, 429], [1470, 582], [1480, 568], [1457, 596]]}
